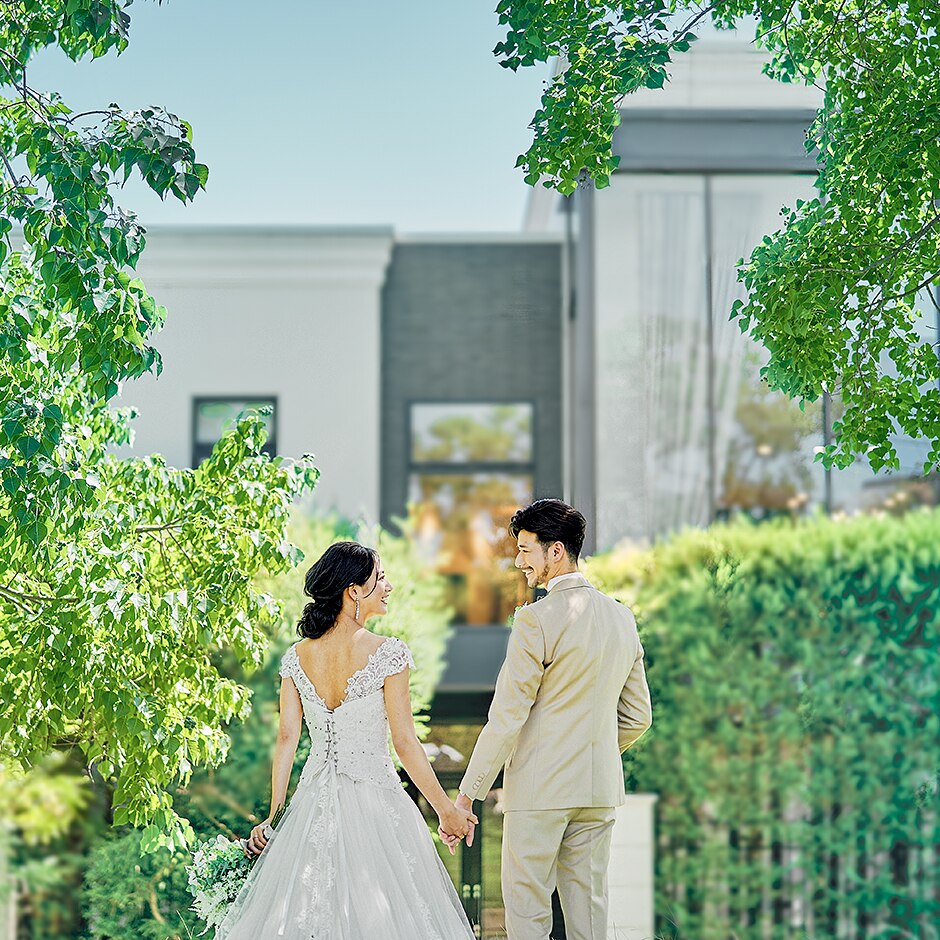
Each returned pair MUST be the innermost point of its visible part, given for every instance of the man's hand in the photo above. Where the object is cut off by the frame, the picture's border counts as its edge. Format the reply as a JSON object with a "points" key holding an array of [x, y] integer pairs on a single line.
{"points": [[464, 806]]}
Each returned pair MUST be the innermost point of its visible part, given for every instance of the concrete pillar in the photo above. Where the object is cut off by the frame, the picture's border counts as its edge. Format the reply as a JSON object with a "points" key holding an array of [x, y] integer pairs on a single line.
{"points": [[630, 875]]}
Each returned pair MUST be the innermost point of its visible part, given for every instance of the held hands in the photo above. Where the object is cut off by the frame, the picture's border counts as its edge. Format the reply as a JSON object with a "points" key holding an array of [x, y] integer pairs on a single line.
{"points": [[457, 821]]}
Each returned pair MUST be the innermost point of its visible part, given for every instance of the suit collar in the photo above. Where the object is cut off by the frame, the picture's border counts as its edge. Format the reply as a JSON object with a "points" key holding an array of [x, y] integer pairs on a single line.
{"points": [[576, 580]]}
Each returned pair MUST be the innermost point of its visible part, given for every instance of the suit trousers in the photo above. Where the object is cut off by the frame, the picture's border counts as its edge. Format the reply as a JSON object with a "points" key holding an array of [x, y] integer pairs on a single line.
{"points": [[564, 848]]}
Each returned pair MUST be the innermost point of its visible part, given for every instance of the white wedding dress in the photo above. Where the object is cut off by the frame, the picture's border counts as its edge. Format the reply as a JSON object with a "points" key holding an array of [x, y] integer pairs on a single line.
{"points": [[352, 857]]}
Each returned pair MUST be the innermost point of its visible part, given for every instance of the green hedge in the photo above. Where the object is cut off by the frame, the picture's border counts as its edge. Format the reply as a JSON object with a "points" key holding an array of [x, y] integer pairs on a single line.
{"points": [[796, 743]]}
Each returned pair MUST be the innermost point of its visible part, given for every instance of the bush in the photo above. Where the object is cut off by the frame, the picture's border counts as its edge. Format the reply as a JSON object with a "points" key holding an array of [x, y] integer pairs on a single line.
{"points": [[796, 743], [128, 894]]}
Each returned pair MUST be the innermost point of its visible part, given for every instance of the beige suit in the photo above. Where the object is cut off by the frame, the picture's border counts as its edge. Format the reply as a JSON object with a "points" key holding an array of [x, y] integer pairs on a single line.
{"points": [[570, 697]]}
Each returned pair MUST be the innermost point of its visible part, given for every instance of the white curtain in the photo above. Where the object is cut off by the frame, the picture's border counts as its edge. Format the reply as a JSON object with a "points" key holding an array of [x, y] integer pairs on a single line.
{"points": [[652, 241]]}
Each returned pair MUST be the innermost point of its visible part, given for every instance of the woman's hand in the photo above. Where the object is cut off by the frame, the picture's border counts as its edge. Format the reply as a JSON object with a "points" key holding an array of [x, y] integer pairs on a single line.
{"points": [[449, 841], [259, 837]]}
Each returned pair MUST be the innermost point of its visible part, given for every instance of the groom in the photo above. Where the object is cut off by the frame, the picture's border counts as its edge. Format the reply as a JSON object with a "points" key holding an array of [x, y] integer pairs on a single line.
{"points": [[570, 698]]}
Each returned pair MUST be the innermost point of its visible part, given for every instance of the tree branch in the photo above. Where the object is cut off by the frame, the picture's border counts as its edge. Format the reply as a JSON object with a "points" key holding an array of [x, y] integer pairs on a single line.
{"points": [[17, 600], [175, 524], [15, 595]]}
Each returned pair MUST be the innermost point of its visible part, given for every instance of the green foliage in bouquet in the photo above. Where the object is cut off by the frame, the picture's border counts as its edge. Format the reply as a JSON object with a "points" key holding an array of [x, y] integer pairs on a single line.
{"points": [[215, 876], [217, 872], [795, 748]]}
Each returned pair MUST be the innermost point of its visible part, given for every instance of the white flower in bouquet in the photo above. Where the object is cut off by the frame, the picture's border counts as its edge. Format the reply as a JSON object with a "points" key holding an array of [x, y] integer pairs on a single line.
{"points": [[216, 875]]}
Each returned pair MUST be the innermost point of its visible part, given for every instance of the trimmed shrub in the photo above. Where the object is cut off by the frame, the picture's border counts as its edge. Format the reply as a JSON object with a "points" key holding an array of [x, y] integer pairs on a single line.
{"points": [[795, 674]]}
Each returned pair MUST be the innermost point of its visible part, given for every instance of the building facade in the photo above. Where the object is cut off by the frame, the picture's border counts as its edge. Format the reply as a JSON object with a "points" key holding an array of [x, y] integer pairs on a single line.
{"points": [[670, 423]]}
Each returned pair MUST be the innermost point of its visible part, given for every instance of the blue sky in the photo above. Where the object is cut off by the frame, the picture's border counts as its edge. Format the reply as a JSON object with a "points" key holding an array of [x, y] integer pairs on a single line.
{"points": [[320, 113]]}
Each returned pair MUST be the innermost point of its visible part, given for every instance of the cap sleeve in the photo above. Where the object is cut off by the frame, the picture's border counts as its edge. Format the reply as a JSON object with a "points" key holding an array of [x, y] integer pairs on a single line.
{"points": [[287, 663], [397, 657]]}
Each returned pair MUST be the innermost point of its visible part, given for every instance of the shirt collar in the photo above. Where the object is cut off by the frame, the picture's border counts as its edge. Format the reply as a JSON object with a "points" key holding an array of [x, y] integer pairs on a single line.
{"points": [[571, 575]]}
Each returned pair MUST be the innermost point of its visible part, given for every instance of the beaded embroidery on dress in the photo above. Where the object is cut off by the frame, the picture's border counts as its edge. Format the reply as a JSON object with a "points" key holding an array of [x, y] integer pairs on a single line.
{"points": [[352, 858]]}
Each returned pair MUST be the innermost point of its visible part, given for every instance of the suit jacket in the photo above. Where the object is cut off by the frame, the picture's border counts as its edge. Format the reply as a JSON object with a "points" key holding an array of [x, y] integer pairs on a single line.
{"points": [[570, 697]]}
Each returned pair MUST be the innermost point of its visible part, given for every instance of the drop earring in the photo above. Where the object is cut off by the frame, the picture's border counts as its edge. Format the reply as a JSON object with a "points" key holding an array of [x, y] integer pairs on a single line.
{"points": [[357, 610]]}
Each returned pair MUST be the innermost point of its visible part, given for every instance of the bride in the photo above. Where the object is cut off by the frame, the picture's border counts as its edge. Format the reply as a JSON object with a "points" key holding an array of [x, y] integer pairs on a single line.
{"points": [[352, 858]]}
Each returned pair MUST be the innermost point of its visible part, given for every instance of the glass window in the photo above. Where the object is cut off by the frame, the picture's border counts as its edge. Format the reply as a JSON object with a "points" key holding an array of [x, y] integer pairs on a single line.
{"points": [[471, 469], [448, 433], [213, 416], [766, 450], [461, 521]]}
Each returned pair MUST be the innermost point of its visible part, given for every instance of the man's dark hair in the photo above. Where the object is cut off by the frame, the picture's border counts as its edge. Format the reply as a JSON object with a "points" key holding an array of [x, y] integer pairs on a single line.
{"points": [[551, 520]]}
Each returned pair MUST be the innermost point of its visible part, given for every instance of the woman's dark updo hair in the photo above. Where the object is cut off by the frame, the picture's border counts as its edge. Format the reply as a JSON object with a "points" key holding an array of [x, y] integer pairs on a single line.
{"points": [[341, 565]]}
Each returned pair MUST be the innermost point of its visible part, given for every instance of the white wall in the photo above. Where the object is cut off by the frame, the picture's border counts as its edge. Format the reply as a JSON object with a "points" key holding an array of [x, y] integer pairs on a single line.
{"points": [[723, 70], [288, 312], [630, 874]]}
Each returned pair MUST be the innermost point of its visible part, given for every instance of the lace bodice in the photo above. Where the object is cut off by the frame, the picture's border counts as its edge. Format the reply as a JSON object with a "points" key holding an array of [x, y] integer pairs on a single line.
{"points": [[353, 737]]}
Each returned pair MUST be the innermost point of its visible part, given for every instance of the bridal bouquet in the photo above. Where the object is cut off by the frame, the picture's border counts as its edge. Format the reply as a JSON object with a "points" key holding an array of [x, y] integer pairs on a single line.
{"points": [[217, 873]]}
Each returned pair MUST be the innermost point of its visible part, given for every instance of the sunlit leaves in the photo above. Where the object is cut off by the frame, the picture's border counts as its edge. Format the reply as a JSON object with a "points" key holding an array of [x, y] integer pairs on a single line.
{"points": [[607, 51], [122, 581]]}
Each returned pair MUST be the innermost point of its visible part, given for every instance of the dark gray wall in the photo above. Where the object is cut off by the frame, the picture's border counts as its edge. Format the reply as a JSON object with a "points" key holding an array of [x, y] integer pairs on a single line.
{"points": [[471, 322], [713, 141]]}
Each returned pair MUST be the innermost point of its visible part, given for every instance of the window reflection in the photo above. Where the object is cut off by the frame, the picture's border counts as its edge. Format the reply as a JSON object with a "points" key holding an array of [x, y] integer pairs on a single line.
{"points": [[767, 457], [449, 433], [461, 522], [471, 469]]}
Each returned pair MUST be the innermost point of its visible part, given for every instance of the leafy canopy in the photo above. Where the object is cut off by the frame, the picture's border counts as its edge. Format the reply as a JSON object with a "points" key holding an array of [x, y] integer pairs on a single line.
{"points": [[836, 295], [121, 580]]}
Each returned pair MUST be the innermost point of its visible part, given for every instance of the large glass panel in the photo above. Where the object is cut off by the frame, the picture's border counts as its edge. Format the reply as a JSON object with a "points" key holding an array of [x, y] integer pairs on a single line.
{"points": [[460, 522], [765, 444], [471, 433], [684, 426], [768, 450]]}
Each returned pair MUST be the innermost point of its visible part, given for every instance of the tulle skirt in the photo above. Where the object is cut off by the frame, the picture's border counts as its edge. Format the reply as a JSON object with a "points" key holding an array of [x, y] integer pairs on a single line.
{"points": [[349, 861]]}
